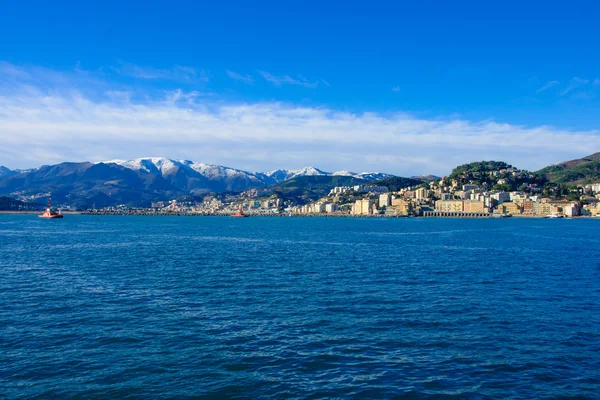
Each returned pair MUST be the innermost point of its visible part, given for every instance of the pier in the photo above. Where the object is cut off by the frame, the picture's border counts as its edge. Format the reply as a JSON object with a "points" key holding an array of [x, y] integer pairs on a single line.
{"points": [[455, 214]]}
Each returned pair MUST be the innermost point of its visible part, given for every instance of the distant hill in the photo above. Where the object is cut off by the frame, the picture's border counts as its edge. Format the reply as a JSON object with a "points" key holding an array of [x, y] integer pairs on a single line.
{"points": [[9, 204], [580, 171], [396, 183], [478, 168], [310, 188], [426, 178], [6, 172], [497, 175], [84, 184]]}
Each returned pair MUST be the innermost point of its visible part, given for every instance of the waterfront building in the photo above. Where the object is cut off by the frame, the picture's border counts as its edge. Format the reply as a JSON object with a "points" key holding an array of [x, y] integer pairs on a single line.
{"points": [[449, 205], [571, 210], [527, 206], [331, 208], [403, 207], [362, 207], [318, 208], [474, 206], [509, 207]]}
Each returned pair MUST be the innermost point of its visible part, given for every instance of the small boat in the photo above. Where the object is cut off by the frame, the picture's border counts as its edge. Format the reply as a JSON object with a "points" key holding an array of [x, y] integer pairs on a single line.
{"points": [[49, 213], [239, 214], [554, 215]]}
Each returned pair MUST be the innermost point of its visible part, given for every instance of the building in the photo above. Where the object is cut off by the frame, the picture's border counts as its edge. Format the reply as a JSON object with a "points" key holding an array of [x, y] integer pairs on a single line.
{"points": [[370, 189], [421, 194], [449, 205], [403, 207], [474, 206], [318, 208], [527, 207], [467, 188], [508, 207], [331, 208], [500, 197], [362, 207], [571, 210], [385, 200], [341, 189]]}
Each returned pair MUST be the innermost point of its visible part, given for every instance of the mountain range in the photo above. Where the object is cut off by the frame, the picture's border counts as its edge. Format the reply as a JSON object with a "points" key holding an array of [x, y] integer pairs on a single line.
{"points": [[143, 180]]}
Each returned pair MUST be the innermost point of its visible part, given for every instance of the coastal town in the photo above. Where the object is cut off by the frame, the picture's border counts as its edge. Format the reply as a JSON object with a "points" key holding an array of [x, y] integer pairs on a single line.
{"points": [[500, 191]]}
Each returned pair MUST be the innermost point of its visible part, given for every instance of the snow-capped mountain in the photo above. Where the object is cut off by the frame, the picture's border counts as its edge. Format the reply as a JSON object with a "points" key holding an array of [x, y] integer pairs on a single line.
{"points": [[280, 175], [226, 178], [142, 180], [368, 176]]}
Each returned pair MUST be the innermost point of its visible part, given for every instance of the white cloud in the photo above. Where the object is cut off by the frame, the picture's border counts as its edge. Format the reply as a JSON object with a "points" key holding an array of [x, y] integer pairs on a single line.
{"points": [[574, 84], [287, 80], [396, 89], [239, 77], [176, 73], [547, 86], [596, 82], [43, 126]]}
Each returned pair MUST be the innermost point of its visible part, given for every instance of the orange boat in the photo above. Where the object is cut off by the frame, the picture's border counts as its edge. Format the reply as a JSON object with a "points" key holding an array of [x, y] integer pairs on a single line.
{"points": [[239, 214], [49, 214]]}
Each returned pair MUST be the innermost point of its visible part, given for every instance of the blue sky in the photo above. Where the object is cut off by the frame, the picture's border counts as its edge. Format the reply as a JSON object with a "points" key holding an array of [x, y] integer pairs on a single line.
{"points": [[442, 82]]}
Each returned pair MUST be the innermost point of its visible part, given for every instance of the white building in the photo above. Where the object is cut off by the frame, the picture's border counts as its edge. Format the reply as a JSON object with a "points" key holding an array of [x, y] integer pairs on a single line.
{"points": [[370, 189], [385, 200], [331, 207], [500, 197], [466, 188], [318, 208]]}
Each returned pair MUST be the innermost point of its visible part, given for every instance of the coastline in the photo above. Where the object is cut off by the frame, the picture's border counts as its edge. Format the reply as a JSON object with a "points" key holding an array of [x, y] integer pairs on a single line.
{"points": [[181, 214], [175, 214], [39, 212]]}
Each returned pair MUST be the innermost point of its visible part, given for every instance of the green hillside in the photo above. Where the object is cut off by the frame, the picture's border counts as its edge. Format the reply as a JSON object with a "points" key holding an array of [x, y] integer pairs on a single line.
{"points": [[310, 188], [395, 183], [580, 171], [10, 204]]}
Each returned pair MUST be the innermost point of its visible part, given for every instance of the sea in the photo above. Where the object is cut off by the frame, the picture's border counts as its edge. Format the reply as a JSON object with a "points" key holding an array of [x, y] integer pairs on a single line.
{"points": [[127, 307]]}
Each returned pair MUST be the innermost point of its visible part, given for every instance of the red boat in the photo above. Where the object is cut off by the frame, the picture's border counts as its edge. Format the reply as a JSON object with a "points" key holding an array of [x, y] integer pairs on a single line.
{"points": [[239, 214], [49, 213]]}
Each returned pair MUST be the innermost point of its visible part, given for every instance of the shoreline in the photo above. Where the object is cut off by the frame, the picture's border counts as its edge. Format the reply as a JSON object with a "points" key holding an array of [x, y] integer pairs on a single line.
{"points": [[175, 214], [9, 212]]}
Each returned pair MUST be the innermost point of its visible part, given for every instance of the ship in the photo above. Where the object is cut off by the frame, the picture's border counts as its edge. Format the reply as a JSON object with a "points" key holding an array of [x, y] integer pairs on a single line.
{"points": [[239, 214], [554, 215], [49, 213]]}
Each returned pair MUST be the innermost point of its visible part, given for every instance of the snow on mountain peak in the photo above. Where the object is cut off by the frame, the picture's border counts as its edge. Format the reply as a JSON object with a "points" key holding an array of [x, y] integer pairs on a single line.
{"points": [[166, 166]]}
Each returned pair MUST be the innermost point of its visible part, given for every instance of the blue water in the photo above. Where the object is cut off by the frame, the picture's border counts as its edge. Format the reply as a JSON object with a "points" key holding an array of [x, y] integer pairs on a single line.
{"points": [[217, 307]]}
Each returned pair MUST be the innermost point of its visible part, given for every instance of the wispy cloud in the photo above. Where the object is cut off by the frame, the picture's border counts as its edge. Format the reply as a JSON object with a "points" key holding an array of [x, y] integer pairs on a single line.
{"points": [[176, 73], [396, 89], [547, 86], [574, 84], [596, 82], [239, 77], [288, 80], [41, 125]]}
